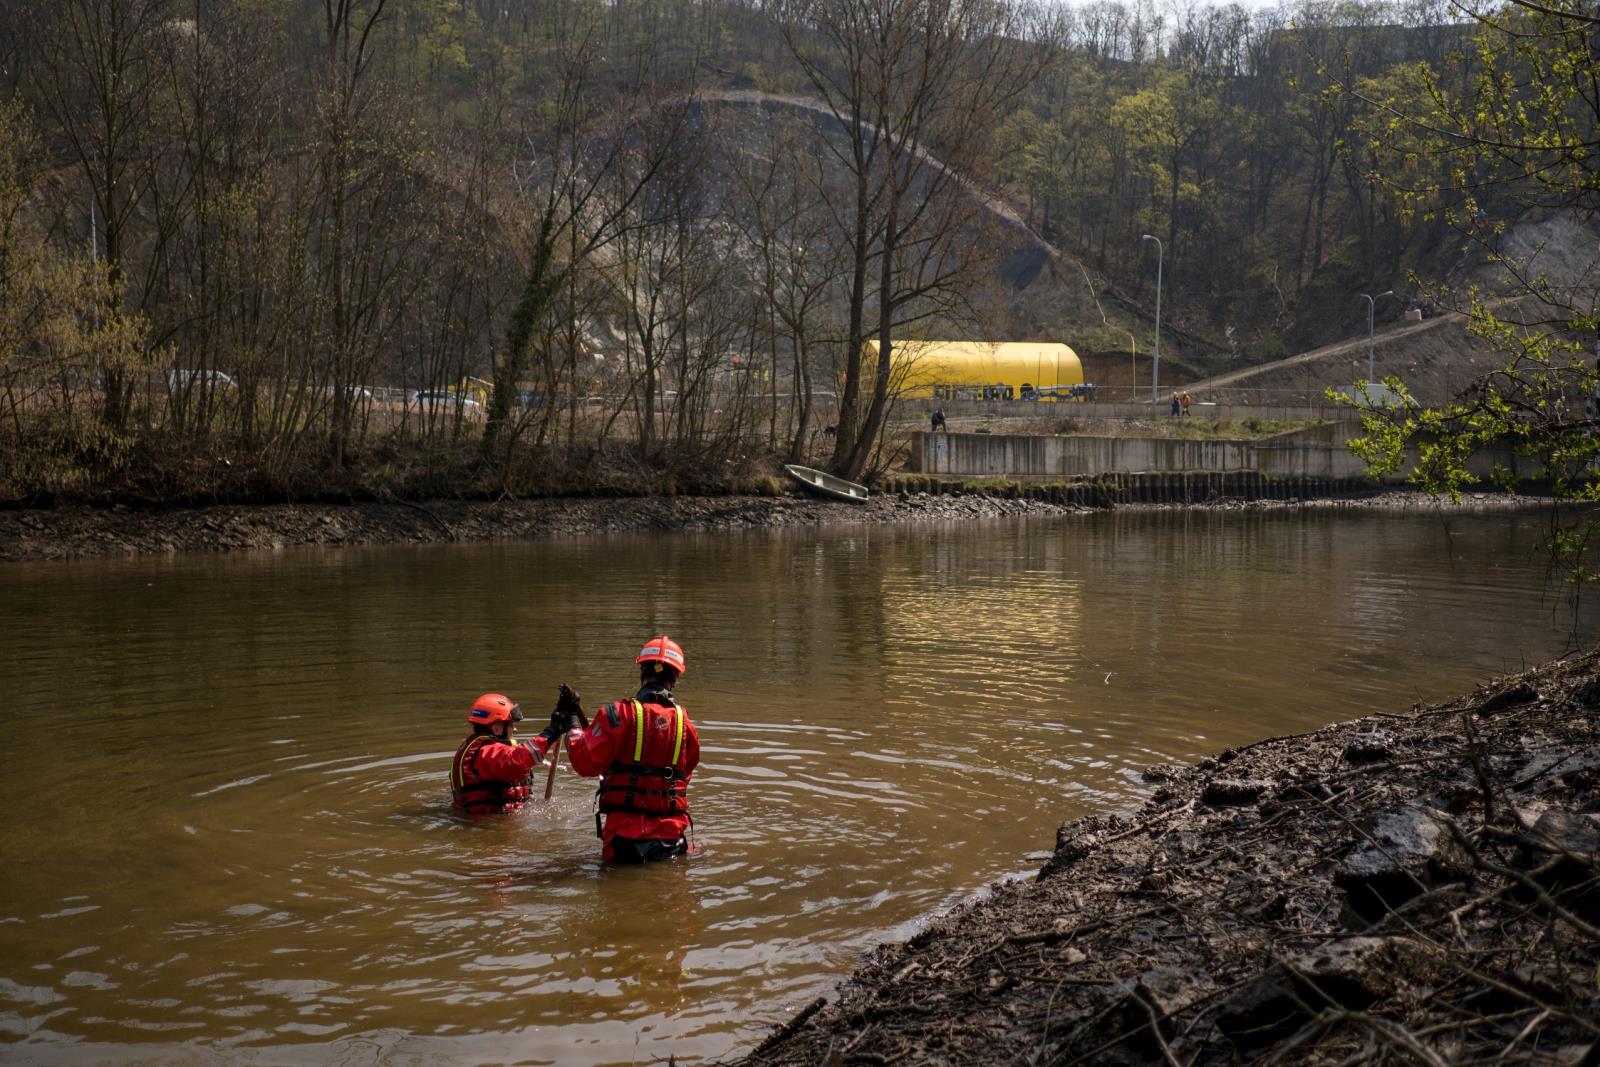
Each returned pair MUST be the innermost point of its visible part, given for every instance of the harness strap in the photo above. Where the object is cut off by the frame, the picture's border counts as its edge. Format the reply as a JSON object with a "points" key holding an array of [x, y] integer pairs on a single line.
{"points": [[458, 773], [675, 788], [483, 790], [671, 784], [490, 788]]}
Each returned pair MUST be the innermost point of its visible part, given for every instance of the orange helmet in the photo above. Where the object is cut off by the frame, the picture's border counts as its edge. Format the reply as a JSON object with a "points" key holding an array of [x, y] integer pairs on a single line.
{"points": [[663, 650], [492, 708]]}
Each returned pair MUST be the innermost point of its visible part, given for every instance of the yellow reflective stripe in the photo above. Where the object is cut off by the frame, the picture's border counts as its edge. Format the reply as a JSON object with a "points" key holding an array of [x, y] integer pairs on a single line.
{"points": [[462, 755], [638, 732], [677, 737]]}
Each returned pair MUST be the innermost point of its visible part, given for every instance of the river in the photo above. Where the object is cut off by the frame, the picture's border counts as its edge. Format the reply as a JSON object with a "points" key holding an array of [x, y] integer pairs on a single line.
{"points": [[228, 837]]}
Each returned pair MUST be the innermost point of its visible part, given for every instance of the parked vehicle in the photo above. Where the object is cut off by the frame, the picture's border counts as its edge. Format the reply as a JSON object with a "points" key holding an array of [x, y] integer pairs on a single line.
{"points": [[431, 400], [182, 378]]}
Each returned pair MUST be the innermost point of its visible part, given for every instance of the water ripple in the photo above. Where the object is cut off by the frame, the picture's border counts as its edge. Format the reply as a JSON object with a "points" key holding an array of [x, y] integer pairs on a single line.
{"points": [[268, 867]]}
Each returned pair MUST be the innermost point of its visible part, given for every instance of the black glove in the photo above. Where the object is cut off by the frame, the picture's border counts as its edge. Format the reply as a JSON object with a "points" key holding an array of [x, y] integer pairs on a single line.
{"points": [[566, 713], [560, 723]]}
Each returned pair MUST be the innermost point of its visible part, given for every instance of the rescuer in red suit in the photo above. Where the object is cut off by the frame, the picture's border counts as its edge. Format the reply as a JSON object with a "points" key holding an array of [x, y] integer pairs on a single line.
{"points": [[492, 773], [643, 750]]}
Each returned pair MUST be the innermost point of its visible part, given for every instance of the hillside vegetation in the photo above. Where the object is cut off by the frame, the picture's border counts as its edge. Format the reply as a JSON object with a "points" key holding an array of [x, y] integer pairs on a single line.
{"points": [[635, 245]]}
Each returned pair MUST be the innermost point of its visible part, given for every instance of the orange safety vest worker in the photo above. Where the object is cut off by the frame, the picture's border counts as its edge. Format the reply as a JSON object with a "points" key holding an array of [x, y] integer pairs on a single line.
{"points": [[644, 751], [491, 774]]}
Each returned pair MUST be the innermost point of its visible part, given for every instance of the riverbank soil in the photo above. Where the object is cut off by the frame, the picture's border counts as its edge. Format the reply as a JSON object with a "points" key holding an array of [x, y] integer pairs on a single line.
{"points": [[1421, 888], [83, 532], [77, 531]]}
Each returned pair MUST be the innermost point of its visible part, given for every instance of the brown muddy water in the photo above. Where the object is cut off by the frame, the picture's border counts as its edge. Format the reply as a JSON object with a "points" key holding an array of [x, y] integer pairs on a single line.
{"points": [[227, 835]]}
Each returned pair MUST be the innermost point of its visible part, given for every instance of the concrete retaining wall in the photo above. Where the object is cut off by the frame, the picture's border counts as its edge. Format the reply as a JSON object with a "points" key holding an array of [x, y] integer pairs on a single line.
{"points": [[1316, 454], [973, 455]]}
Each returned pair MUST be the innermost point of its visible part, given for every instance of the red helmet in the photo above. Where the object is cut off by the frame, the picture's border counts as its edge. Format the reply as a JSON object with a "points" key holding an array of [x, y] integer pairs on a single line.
{"points": [[663, 650], [492, 708]]}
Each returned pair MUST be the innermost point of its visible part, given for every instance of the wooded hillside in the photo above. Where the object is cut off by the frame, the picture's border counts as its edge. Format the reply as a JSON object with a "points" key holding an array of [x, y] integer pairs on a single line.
{"points": [[238, 238]]}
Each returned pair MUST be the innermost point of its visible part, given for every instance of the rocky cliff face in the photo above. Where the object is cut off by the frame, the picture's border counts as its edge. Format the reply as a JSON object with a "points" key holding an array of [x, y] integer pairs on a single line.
{"points": [[1554, 250]]}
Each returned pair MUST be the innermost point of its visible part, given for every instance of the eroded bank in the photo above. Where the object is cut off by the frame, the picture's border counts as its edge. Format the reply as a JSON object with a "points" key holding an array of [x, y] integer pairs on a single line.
{"points": [[1417, 888], [83, 532]]}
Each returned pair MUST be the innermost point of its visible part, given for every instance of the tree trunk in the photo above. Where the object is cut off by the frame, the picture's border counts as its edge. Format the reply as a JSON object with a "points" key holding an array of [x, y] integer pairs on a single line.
{"points": [[537, 293]]}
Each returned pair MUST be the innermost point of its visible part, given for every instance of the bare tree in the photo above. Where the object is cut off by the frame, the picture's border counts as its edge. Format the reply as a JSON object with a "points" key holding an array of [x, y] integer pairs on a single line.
{"points": [[345, 242], [649, 263], [919, 88], [97, 72], [782, 182], [590, 133]]}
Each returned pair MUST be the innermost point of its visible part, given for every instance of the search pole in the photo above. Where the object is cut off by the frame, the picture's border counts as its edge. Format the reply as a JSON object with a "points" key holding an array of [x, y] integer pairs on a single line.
{"points": [[1371, 303], [1155, 362]]}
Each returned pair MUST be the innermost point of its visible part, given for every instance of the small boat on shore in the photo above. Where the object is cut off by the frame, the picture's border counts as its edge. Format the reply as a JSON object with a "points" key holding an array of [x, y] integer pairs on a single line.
{"points": [[824, 484]]}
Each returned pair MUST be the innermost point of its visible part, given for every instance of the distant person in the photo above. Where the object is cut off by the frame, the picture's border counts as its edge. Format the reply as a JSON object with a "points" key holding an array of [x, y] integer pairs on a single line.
{"points": [[1177, 405], [938, 419], [1185, 401], [644, 750], [492, 773]]}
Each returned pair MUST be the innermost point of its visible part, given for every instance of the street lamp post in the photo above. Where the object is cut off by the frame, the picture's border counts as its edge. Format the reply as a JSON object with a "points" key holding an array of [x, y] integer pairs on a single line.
{"points": [[1371, 303], [1155, 362]]}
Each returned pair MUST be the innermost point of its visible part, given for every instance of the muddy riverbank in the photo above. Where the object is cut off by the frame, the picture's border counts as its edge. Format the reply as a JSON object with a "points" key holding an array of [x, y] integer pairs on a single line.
{"points": [[1417, 888], [79, 531]]}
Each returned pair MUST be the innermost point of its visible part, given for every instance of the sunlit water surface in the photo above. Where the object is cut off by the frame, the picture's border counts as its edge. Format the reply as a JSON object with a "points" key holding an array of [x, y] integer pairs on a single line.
{"points": [[227, 835]]}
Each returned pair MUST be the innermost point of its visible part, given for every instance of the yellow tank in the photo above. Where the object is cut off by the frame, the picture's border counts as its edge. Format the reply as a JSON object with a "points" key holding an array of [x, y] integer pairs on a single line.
{"points": [[956, 370]]}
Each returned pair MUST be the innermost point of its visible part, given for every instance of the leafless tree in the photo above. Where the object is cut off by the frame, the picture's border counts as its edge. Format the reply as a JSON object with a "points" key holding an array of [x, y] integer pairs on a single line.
{"points": [[782, 180], [589, 133], [918, 88], [97, 65]]}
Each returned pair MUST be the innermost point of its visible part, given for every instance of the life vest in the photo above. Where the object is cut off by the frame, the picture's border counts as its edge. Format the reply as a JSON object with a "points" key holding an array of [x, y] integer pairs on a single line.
{"points": [[651, 782], [484, 796]]}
